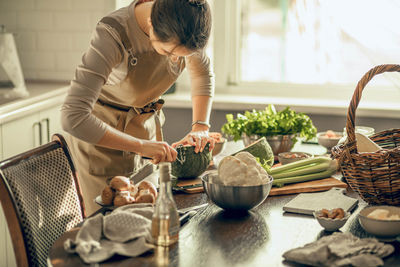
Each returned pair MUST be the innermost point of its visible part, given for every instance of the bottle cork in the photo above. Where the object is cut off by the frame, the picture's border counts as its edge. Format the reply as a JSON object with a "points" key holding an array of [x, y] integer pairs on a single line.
{"points": [[165, 172]]}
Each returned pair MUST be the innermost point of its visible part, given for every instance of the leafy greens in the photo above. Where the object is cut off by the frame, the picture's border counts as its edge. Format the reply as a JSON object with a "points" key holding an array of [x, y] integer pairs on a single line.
{"points": [[269, 122]]}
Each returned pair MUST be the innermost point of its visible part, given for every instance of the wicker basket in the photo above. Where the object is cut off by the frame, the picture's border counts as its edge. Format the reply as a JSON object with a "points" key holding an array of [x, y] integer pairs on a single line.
{"points": [[374, 176]]}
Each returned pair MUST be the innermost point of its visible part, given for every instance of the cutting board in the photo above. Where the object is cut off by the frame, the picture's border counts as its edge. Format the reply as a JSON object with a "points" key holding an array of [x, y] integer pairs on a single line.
{"points": [[311, 186], [191, 186], [307, 203]]}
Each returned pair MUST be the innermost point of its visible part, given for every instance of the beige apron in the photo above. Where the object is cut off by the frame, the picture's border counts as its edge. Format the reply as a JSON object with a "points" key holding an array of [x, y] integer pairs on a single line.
{"points": [[132, 107]]}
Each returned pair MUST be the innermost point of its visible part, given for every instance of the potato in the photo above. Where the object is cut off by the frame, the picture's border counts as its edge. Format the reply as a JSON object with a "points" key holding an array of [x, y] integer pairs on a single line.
{"points": [[107, 196], [145, 185], [123, 198], [120, 183], [145, 196]]}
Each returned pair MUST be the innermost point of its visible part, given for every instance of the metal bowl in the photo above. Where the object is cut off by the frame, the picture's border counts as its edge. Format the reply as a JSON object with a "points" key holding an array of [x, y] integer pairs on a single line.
{"points": [[235, 197], [278, 143], [328, 142], [289, 157], [219, 147]]}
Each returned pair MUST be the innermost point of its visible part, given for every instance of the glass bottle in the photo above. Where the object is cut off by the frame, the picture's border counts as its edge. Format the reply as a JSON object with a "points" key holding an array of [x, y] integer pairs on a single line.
{"points": [[165, 222]]}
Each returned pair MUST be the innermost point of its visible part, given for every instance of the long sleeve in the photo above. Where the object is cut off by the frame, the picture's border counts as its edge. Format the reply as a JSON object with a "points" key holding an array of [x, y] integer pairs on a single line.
{"points": [[103, 54], [201, 74]]}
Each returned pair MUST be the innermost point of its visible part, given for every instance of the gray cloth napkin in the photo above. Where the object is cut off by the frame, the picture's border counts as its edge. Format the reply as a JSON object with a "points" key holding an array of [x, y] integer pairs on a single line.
{"points": [[341, 249], [125, 231]]}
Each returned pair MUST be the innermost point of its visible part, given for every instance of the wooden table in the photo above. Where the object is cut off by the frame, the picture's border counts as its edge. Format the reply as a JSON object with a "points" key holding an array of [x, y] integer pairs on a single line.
{"points": [[214, 237]]}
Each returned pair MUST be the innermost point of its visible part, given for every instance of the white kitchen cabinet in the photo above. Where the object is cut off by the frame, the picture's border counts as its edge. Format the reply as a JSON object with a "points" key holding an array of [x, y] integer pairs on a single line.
{"points": [[20, 135], [3, 242], [1, 146], [11, 261], [7, 257], [3, 229], [51, 124], [30, 131]]}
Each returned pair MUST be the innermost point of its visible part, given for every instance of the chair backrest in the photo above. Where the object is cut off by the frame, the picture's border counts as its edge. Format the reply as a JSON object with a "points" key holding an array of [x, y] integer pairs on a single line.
{"points": [[41, 199]]}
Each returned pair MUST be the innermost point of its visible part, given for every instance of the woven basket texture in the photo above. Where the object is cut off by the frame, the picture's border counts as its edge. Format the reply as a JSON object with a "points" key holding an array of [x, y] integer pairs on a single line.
{"points": [[374, 176]]}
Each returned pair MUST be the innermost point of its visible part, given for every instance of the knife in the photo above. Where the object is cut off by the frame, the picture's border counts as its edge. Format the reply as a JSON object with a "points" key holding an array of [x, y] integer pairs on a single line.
{"points": [[185, 217], [187, 186], [185, 210]]}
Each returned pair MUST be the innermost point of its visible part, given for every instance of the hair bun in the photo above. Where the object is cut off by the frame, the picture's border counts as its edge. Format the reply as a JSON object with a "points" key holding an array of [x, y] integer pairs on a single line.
{"points": [[197, 2]]}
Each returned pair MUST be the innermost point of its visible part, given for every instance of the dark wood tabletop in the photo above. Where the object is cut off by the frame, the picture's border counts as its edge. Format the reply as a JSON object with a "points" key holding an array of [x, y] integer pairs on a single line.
{"points": [[214, 237]]}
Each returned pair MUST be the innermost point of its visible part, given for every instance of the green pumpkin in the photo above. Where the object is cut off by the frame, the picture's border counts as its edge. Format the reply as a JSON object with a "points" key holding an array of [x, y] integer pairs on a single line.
{"points": [[262, 150], [189, 164]]}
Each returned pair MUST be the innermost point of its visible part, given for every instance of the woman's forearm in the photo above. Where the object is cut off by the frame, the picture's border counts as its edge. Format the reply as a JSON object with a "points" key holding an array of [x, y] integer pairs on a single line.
{"points": [[201, 110], [118, 140], [157, 151]]}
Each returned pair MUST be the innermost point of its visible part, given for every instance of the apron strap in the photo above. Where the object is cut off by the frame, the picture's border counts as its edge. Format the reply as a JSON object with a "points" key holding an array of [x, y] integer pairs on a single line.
{"points": [[132, 61], [120, 29], [124, 38], [154, 107], [159, 132]]}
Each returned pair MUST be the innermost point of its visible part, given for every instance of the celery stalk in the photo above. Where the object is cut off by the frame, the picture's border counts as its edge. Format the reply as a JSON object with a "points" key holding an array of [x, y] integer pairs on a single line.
{"points": [[308, 177], [304, 163], [314, 168]]}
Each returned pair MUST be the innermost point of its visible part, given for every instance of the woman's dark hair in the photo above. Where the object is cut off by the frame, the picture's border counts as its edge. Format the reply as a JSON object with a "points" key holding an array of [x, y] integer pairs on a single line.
{"points": [[185, 21]]}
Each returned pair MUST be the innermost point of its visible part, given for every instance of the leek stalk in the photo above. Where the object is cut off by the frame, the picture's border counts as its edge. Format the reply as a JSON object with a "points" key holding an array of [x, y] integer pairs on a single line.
{"points": [[303, 170]]}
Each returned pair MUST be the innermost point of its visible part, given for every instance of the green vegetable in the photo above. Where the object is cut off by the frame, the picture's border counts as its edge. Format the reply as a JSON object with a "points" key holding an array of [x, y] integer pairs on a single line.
{"points": [[269, 122], [262, 151], [301, 167], [303, 170], [189, 164]]}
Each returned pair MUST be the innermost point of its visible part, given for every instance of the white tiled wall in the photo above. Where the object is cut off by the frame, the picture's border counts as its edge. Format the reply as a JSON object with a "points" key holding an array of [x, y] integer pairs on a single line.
{"points": [[52, 35]]}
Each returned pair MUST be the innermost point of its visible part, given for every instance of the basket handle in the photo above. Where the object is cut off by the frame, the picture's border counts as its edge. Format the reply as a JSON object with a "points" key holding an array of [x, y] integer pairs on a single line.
{"points": [[351, 112]]}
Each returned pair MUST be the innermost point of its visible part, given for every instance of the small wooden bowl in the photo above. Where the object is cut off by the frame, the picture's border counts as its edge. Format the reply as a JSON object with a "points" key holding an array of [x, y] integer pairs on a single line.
{"points": [[288, 157]]}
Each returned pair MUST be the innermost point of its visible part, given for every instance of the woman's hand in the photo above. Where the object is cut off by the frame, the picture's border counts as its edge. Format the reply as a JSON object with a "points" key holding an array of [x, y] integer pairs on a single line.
{"points": [[199, 139], [157, 151]]}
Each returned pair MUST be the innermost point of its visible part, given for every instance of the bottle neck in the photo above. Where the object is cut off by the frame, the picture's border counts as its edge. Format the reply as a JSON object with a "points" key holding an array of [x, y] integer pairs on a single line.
{"points": [[165, 188]]}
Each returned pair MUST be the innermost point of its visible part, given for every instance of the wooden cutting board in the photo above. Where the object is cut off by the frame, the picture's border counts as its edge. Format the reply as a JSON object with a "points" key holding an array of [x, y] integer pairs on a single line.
{"points": [[311, 186], [190, 186], [307, 203], [195, 186]]}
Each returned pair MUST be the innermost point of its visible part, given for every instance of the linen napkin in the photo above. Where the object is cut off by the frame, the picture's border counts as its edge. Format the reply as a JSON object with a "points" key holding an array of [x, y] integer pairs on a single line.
{"points": [[341, 249], [125, 231]]}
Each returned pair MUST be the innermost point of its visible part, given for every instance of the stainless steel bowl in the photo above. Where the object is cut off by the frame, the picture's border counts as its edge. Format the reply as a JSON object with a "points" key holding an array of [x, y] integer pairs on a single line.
{"points": [[235, 197], [278, 143]]}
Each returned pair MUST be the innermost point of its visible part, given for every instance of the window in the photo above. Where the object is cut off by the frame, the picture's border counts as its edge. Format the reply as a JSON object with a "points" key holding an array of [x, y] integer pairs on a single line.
{"points": [[315, 45]]}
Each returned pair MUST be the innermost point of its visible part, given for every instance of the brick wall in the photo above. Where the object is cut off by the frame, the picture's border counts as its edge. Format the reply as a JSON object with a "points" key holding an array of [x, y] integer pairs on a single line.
{"points": [[52, 35]]}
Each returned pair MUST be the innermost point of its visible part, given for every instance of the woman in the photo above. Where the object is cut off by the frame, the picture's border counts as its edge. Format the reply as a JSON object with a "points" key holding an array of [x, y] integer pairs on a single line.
{"points": [[112, 109]]}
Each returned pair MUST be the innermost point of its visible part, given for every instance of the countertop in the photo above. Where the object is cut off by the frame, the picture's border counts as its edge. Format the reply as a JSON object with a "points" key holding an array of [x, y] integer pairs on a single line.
{"points": [[46, 94], [320, 106], [42, 95]]}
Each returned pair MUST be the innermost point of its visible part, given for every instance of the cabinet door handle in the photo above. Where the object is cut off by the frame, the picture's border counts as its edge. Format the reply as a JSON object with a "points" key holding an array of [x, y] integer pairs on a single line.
{"points": [[47, 121], [39, 125]]}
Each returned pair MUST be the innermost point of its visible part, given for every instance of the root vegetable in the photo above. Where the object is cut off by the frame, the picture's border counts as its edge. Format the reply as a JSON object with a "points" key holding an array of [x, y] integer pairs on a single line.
{"points": [[107, 195], [120, 183]]}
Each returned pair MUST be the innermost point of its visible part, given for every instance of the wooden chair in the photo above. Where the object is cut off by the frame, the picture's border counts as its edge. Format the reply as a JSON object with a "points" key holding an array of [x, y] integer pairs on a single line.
{"points": [[41, 199]]}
